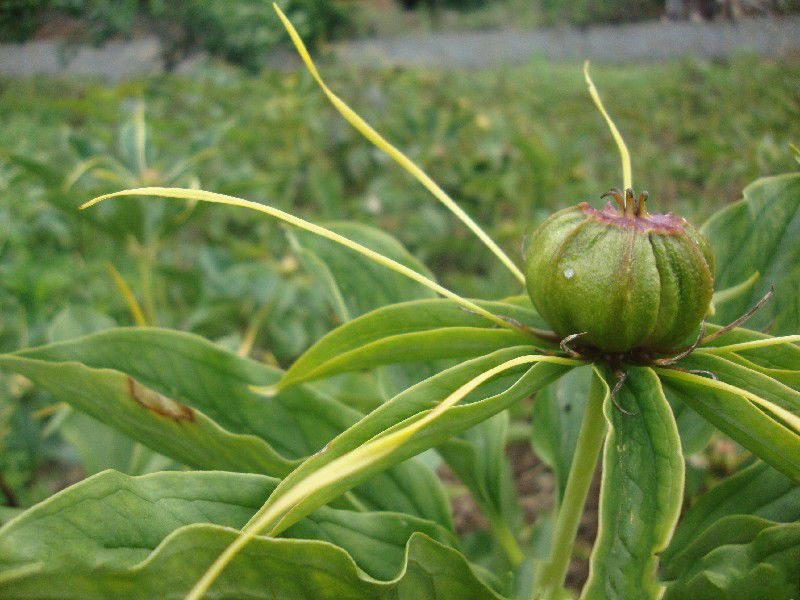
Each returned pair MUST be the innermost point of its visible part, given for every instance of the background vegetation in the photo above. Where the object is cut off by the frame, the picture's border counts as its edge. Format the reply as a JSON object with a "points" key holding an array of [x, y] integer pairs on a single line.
{"points": [[512, 145], [243, 31]]}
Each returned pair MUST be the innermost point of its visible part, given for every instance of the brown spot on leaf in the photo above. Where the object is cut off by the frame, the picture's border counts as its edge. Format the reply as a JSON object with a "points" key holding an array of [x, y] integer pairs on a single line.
{"points": [[158, 403]]}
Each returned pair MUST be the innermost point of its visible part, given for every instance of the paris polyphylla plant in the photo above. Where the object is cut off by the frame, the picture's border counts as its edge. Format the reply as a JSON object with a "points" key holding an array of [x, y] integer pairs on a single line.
{"points": [[647, 341]]}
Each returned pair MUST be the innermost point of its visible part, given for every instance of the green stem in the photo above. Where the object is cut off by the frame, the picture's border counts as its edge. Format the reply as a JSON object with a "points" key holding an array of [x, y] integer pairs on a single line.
{"points": [[506, 539], [137, 461], [518, 432], [551, 578], [146, 257]]}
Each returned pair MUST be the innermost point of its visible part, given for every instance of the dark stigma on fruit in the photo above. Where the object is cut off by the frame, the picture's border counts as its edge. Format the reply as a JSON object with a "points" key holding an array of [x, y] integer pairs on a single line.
{"points": [[632, 283]]}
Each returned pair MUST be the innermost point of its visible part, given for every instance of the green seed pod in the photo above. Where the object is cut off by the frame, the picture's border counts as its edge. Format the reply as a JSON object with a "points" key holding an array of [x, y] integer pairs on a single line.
{"points": [[632, 281]]}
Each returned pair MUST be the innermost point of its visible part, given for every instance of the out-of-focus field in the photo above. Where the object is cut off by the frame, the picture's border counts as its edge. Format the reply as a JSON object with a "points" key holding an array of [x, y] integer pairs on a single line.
{"points": [[511, 145]]}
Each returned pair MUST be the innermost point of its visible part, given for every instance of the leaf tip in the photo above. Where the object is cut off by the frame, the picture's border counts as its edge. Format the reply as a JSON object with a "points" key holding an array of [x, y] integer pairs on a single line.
{"points": [[92, 202]]}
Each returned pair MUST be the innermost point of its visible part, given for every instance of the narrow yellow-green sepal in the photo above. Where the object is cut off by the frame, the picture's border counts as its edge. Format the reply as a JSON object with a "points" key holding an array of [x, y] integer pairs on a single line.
{"points": [[202, 195], [373, 136], [627, 177]]}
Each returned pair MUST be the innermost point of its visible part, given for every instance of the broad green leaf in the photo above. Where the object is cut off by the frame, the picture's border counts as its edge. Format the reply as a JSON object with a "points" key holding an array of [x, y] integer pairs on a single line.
{"points": [[416, 402], [740, 557], [724, 296], [761, 233], [788, 377], [759, 490], [641, 493], [192, 401], [213, 381], [357, 285], [759, 352], [419, 330], [478, 458], [358, 389], [557, 417], [108, 526], [360, 283], [743, 413], [7, 513], [420, 418], [320, 272], [165, 424], [268, 569], [98, 446]]}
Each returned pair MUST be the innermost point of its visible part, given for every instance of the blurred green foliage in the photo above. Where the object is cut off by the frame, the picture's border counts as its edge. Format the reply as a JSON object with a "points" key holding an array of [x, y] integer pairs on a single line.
{"points": [[510, 145], [587, 12], [574, 12], [434, 4], [241, 31], [19, 19], [455, 15]]}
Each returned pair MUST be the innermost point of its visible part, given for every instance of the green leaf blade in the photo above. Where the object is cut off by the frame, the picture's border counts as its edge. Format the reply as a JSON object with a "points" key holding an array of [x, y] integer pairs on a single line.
{"points": [[411, 331], [213, 418], [730, 411], [150, 536], [403, 410], [740, 557], [758, 491], [759, 352], [478, 457], [164, 424], [642, 491], [761, 233], [296, 570]]}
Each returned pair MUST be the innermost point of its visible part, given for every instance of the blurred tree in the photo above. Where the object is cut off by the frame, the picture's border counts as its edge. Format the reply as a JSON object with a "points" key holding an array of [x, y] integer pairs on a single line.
{"points": [[18, 18], [438, 4], [241, 31]]}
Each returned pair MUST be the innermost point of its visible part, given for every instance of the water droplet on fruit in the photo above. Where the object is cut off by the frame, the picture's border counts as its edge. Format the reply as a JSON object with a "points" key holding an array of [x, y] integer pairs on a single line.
{"points": [[569, 273]]}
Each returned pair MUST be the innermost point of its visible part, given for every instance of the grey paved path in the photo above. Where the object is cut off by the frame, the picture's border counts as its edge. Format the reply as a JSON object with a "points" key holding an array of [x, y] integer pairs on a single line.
{"points": [[640, 42], [117, 60]]}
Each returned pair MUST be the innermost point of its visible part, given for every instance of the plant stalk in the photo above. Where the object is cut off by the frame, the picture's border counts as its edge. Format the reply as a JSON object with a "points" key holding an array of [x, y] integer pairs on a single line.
{"points": [[146, 258], [506, 539], [550, 580]]}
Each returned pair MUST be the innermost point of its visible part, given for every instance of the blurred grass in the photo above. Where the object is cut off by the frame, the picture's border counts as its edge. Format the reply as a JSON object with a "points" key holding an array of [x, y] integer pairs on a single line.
{"points": [[385, 18], [511, 145]]}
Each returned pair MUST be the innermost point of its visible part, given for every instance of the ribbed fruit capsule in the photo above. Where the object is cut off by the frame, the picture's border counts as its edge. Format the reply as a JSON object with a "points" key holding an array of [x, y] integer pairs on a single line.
{"points": [[632, 281]]}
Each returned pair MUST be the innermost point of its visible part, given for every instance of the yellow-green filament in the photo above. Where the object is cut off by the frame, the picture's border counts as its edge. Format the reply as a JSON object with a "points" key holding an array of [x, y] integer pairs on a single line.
{"points": [[373, 136], [627, 177], [124, 289], [377, 257]]}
